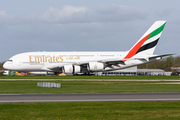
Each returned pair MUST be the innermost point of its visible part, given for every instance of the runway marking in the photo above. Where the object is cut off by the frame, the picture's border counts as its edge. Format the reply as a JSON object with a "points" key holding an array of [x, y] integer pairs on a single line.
{"points": [[95, 100], [9, 94], [82, 80], [163, 83]]}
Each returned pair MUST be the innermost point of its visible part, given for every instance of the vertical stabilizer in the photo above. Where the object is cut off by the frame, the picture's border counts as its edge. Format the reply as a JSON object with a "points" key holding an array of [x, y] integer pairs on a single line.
{"points": [[147, 43]]}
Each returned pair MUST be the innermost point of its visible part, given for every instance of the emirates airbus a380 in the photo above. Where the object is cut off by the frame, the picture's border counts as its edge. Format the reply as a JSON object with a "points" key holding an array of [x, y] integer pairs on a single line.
{"points": [[86, 62]]}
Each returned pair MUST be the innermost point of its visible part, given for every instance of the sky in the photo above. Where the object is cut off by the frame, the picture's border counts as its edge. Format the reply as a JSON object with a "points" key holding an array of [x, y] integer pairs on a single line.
{"points": [[85, 25]]}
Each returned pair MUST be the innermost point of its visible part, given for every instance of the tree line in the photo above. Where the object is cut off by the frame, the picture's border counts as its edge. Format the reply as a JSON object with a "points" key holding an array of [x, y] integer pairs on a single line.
{"points": [[1, 68], [164, 64]]}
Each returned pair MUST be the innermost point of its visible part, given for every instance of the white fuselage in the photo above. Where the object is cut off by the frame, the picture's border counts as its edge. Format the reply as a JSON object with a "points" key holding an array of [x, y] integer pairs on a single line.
{"points": [[42, 61]]}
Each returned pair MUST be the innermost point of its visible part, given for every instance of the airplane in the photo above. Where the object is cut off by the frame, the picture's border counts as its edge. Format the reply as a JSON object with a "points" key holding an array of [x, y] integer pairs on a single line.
{"points": [[88, 62], [37, 73], [16, 73], [6, 73], [13, 73]]}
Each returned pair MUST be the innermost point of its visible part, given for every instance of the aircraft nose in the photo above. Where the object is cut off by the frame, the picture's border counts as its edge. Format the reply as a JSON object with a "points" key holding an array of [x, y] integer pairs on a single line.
{"points": [[7, 65]]}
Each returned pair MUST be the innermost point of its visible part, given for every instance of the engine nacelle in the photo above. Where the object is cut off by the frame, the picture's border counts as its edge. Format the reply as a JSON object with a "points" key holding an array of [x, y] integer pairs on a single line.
{"points": [[70, 69], [76, 69], [95, 66]]}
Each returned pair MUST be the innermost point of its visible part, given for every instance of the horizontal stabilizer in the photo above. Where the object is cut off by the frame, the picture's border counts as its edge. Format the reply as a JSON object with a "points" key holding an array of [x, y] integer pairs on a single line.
{"points": [[161, 56], [154, 57]]}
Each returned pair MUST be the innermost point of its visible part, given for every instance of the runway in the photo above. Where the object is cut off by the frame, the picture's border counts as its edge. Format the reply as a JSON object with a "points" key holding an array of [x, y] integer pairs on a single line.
{"points": [[88, 97]]}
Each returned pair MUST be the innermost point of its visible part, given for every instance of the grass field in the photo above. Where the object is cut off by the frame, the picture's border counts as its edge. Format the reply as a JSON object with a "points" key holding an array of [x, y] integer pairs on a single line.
{"points": [[89, 86], [93, 77], [91, 111], [156, 110]]}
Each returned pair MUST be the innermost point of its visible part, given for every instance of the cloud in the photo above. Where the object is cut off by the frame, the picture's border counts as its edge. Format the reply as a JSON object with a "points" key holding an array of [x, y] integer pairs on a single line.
{"points": [[73, 14], [3, 16], [67, 29], [106, 13], [117, 9], [115, 13], [54, 15], [2, 13]]}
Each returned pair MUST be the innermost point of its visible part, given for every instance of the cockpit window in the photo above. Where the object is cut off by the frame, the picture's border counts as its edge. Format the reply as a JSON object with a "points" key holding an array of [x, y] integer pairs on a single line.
{"points": [[9, 60]]}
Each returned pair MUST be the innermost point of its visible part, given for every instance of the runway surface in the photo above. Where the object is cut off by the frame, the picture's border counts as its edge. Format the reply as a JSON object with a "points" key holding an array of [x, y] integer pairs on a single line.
{"points": [[88, 97]]}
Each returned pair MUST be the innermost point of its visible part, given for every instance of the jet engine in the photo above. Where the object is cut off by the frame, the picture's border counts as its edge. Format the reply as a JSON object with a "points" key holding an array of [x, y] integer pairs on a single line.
{"points": [[76, 69], [95, 66], [70, 69]]}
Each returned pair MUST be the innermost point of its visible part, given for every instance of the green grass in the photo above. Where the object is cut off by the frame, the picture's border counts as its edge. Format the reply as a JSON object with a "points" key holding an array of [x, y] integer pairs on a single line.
{"points": [[91, 111], [88, 87], [166, 110], [92, 77]]}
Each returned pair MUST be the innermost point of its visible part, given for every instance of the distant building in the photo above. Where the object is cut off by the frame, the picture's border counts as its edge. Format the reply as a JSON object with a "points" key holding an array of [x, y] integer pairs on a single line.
{"points": [[127, 71], [134, 71], [175, 69], [151, 72]]}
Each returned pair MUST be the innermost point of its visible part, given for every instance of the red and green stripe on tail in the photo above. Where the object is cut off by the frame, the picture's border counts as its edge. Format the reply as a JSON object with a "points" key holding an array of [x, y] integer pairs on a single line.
{"points": [[143, 44]]}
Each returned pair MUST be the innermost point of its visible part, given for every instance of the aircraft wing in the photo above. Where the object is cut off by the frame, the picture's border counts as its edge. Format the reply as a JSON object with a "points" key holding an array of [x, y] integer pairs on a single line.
{"points": [[85, 63], [105, 61]]}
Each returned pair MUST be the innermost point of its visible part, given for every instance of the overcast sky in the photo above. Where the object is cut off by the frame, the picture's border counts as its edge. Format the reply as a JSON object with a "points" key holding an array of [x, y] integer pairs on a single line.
{"points": [[85, 25]]}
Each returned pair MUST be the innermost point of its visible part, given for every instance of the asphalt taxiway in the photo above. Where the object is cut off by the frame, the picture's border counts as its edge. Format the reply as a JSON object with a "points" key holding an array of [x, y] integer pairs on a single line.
{"points": [[88, 97]]}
